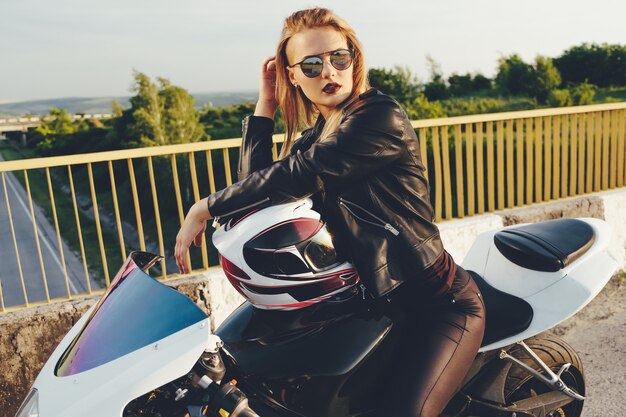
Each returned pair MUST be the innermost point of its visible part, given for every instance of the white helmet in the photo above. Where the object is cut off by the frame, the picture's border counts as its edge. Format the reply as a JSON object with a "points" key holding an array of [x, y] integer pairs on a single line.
{"points": [[282, 257]]}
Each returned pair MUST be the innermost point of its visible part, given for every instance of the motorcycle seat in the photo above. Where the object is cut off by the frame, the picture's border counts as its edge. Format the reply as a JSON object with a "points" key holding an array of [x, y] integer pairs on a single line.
{"points": [[547, 246], [507, 314]]}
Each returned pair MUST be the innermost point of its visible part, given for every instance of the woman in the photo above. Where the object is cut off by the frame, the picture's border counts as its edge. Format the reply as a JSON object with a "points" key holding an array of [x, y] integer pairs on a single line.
{"points": [[360, 161]]}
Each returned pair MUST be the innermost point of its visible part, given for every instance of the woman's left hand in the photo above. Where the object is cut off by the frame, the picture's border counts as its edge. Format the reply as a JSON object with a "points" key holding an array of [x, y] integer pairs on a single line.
{"points": [[192, 230]]}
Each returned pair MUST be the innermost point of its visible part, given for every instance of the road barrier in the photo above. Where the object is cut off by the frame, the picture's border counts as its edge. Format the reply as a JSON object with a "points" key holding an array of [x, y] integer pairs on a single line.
{"points": [[475, 164]]}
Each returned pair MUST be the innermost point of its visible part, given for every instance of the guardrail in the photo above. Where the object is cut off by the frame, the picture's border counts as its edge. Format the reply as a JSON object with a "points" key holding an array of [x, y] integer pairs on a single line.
{"points": [[531, 156], [475, 164], [32, 119], [17, 124]]}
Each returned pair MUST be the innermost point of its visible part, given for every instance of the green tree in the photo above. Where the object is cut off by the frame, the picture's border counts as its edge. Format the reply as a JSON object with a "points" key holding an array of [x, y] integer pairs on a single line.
{"points": [[480, 82], [116, 109], [181, 121], [460, 85], [162, 114], [146, 108], [57, 123], [399, 82], [225, 122], [603, 65], [545, 78], [434, 68], [436, 88], [56, 130], [514, 75], [464, 85]]}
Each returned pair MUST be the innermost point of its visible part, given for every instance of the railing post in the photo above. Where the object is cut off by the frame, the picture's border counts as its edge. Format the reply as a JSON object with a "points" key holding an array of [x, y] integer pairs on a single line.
{"points": [[17, 252], [480, 168], [78, 228], [36, 234], [96, 213], [68, 284]]}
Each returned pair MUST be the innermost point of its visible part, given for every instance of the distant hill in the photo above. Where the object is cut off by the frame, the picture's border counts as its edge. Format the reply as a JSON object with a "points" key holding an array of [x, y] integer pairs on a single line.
{"points": [[94, 105]]}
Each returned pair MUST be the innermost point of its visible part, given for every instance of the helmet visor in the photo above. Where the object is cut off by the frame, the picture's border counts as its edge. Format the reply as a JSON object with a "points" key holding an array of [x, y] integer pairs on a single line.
{"points": [[319, 252], [291, 249]]}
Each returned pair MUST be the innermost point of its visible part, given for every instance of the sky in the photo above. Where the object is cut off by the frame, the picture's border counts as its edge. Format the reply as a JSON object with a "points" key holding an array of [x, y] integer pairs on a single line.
{"points": [[72, 48]]}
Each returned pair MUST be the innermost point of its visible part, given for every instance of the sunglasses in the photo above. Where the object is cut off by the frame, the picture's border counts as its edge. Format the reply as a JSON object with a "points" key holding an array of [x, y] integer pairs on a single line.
{"points": [[313, 65]]}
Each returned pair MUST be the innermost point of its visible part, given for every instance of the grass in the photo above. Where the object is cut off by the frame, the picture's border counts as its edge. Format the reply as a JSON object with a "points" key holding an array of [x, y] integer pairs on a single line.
{"points": [[610, 94], [8, 153]]}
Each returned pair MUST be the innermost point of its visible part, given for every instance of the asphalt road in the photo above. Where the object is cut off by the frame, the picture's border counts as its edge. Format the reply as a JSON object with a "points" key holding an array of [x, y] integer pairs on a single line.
{"points": [[33, 277], [598, 334]]}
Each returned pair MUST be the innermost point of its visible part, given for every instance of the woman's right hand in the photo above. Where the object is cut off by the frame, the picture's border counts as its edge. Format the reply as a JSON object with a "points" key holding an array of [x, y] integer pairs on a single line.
{"points": [[267, 104], [191, 231]]}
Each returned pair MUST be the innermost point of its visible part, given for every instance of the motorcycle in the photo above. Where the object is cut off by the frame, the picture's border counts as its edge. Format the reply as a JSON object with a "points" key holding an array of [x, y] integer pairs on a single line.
{"points": [[146, 350]]}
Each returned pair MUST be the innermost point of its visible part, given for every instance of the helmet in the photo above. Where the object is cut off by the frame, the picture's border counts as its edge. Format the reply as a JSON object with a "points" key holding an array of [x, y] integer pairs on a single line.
{"points": [[282, 257]]}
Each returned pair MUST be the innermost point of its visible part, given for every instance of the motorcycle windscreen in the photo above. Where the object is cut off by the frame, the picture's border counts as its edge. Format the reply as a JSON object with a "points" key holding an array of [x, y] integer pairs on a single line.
{"points": [[135, 312]]}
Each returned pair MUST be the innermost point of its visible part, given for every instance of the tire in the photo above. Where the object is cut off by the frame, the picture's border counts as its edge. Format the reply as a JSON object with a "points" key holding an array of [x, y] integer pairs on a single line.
{"points": [[554, 352]]}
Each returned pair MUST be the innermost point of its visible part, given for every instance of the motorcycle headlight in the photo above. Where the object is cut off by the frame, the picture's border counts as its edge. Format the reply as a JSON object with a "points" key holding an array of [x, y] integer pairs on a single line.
{"points": [[30, 406]]}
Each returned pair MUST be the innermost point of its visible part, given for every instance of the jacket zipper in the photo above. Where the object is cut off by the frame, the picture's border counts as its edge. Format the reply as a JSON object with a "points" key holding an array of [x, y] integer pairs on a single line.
{"points": [[244, 131], [382, 224], [216, 218]]}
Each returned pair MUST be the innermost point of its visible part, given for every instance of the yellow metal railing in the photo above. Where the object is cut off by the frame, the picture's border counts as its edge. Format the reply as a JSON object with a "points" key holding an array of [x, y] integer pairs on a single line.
{"points": [[531, 157], [186, 153], [475, 164]]}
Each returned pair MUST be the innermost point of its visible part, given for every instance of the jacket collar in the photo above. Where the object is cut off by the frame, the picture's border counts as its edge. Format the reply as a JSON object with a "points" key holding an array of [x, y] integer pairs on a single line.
{"points": [[369, 92]]}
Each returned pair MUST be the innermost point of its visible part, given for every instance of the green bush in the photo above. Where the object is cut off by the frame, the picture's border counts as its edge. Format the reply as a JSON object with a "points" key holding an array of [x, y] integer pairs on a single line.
{"points": [[559, 98], [582, 94], [422, 108]]}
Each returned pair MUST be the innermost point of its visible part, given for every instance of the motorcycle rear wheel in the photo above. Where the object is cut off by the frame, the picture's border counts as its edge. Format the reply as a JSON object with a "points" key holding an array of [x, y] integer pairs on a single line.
{"points": [[555, 352]]}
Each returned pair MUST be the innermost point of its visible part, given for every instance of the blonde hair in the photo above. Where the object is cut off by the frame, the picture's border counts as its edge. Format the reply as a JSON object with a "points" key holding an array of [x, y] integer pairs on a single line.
{"points": [[296, 108]]}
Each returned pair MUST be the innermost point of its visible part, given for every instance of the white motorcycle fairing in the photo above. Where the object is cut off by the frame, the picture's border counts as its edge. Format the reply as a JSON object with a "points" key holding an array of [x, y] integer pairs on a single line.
{"points": [[553, 296], [105, 389]]}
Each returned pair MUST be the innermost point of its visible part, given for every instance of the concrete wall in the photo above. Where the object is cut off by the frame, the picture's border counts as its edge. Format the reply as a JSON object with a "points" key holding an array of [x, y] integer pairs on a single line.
{"points": [[29, 336]]}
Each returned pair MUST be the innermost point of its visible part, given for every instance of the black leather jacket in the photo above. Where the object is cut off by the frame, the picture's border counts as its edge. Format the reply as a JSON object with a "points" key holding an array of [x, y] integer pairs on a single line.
{"points": [[367, 178]]}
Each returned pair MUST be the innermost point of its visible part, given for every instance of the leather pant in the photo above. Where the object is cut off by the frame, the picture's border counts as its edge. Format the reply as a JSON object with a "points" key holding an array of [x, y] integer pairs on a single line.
{"points": [[443, 338]]}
